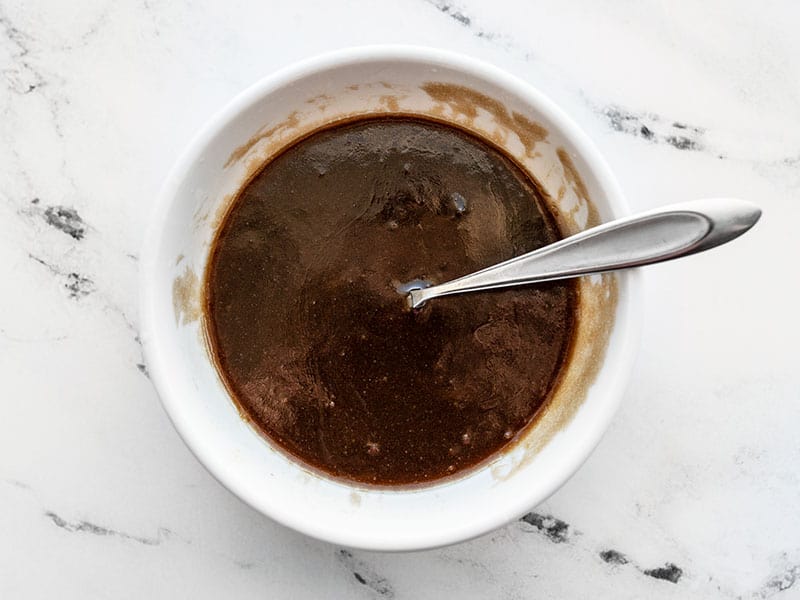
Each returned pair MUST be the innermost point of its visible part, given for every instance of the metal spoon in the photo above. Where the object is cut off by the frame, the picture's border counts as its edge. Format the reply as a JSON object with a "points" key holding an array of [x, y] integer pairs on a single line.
{"points": [[650, 237]]}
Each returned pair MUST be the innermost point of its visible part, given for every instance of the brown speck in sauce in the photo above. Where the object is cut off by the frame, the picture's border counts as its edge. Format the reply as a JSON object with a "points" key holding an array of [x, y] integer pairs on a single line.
{"points": [[318, 348]]}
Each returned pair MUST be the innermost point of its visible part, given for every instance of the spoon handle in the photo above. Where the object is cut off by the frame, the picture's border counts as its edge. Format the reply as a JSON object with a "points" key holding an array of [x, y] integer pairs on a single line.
{"points": [[650, 237]]}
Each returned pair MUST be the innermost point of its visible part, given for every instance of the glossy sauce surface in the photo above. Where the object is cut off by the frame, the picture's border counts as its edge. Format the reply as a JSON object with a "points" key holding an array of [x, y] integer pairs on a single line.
{"points": [[313, 339]]}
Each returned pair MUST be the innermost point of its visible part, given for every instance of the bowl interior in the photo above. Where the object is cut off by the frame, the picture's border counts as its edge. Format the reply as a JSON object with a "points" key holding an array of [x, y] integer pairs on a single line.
{"points": [[265, 119]]}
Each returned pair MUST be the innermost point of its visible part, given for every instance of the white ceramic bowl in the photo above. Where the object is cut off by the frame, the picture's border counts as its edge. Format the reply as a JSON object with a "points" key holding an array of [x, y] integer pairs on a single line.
{"points": [[263, 119]]}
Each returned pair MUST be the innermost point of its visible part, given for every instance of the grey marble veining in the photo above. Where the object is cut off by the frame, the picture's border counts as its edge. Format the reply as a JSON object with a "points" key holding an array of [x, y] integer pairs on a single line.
{"points": [[693, 493]]}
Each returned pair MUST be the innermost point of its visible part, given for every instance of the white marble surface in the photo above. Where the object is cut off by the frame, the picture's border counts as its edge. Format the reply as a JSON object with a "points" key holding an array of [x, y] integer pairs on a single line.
{"points": [[99, 498]]}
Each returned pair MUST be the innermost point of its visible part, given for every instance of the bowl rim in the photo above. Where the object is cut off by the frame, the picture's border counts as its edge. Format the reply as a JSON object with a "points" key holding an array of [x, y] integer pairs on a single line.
{"points": [[156, 358]]}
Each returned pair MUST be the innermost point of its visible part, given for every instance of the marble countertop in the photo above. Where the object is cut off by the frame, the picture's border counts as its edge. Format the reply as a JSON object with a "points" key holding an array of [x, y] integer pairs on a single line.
{"points": [[694, 491]]}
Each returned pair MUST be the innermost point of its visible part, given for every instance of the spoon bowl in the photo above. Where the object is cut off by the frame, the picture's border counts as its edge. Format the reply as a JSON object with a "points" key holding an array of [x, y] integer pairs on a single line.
{"points": [[273, 114]]}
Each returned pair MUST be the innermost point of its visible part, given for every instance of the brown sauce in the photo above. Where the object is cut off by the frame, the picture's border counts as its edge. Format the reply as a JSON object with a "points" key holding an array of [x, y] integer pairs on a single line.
{"points": [[314, 341]]}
